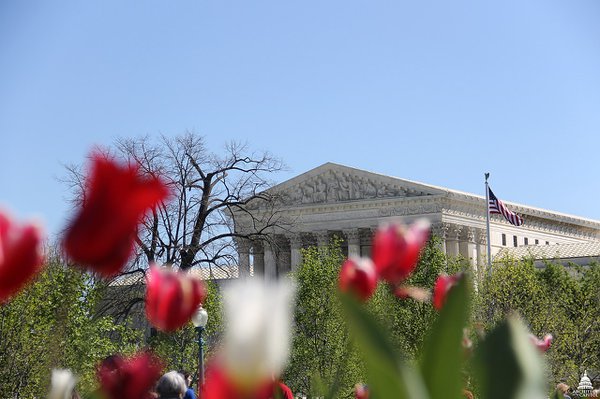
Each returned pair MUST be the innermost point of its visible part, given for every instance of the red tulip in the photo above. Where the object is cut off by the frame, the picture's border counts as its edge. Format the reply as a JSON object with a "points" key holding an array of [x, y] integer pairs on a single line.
{"points": [[542, 344], [284, 391], [396, 249], [361, 391], [130, 378], [443, 284], [358, 276], [115, 200], [172, 298], [20, 255], [219, 385]]}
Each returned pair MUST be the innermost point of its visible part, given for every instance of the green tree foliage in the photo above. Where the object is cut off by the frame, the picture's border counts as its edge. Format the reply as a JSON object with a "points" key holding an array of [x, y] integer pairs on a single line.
{"points": [[321, 346], [323, 354], [52, 324], [179, 349], [564, 302]]}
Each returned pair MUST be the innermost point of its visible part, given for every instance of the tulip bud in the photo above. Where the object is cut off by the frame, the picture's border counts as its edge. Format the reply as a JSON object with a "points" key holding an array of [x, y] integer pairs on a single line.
{"points": [[102, 235], [417, 293], [542, 344], [172, 298], [62, 384], [358, 276], [20, 255], [443, 284], [130, 378], [257, 340], [361, 391], [396, 249]]}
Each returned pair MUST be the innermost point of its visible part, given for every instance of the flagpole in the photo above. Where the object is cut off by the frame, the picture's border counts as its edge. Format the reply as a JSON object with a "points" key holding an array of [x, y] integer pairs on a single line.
{"points": [[487, 209]]}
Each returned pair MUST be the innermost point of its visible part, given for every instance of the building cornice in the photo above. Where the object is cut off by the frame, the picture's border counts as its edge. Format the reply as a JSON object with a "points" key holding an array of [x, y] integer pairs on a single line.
{"points": [[539, 221], [451, 204]]}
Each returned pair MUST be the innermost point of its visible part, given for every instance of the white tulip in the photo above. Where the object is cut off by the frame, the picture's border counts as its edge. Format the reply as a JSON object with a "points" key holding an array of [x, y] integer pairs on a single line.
{"points": [[62, 384], [258, 324]]}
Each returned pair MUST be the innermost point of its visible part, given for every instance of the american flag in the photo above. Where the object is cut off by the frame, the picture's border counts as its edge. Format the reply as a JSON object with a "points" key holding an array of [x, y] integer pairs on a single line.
{"points": [[496, 206]]}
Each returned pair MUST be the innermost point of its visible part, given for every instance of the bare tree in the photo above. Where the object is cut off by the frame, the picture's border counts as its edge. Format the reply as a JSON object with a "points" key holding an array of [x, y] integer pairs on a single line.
{"points": [[211, 195]]}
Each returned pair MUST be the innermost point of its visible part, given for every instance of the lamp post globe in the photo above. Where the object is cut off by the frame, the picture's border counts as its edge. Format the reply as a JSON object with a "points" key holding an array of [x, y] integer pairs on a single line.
{"points": [[199, 319]]}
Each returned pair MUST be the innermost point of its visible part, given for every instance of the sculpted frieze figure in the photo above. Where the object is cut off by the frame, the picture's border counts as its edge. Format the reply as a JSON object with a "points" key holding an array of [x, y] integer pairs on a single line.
{"points": [[344, 187], [308, 192], [320, 191], [370, 189], [334, 191], [341, 186]]}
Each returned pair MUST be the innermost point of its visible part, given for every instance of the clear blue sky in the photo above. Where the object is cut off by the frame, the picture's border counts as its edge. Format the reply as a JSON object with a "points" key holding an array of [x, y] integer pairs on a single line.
{"points": [[434, 91]]}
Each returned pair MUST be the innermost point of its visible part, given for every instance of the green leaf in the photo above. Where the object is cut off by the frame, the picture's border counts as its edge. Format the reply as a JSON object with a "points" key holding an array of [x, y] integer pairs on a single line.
{"points": [[507, 365], [388, 377], [443, 355]]}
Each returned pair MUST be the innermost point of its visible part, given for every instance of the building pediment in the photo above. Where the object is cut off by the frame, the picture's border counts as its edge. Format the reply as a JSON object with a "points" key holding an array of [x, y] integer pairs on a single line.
{"points": [[333, 183]]}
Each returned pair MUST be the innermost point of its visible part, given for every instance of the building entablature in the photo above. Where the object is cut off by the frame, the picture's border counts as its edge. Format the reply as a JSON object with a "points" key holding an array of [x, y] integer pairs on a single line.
{"points": [[351, 203]]}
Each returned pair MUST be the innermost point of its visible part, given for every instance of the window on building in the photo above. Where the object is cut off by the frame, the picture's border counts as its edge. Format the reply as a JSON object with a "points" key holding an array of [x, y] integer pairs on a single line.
{"points": [[526, 241], [504, 239], [537, 241], [515, 243]]}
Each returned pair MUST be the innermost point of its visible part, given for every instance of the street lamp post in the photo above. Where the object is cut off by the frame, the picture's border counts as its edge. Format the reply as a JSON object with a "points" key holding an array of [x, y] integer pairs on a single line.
{"points": [[200, 319]]}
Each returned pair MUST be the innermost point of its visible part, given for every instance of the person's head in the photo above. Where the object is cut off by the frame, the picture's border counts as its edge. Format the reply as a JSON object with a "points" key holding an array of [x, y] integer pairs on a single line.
{"points": [[562, 388], [187, 376], [171, 385]]}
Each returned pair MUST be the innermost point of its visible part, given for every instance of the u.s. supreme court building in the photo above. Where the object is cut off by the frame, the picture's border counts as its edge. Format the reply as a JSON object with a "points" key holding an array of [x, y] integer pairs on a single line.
{"points": [[333, 199]]}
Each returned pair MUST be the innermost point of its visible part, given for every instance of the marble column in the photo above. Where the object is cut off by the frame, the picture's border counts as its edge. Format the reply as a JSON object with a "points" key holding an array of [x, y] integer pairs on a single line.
{"points": [[243, 250], [283, 256], [440, 230], [258, 257], [467, 245], [353, 240], [452, 242], [481, 252], [366, 240], [481, 239], [295, 254], [270, 262]]}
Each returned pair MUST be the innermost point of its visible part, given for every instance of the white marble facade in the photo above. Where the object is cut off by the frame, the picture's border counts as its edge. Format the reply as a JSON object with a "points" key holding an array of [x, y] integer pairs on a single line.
{"points": [[351, 203]]}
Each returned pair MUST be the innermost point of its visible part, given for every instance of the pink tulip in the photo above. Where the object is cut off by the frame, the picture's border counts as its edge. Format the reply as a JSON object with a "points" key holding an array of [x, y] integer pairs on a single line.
{"points": [[361, 391], [542, 344]]}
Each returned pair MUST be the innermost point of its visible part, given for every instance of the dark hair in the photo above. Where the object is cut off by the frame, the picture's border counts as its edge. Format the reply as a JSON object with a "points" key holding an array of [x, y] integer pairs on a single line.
{"points": [[186, 374]]}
